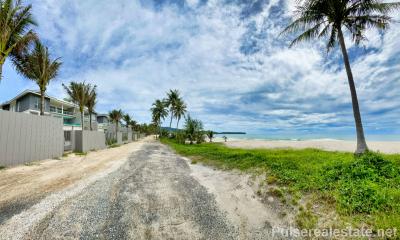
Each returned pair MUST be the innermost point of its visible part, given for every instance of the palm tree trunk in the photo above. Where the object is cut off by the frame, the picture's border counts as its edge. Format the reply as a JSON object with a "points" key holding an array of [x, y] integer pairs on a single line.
{"points": [[177, 123], [361, 144], [116, 131], [41, 102], [90, 122], [1, 71], [82, 121], [170, 123]]}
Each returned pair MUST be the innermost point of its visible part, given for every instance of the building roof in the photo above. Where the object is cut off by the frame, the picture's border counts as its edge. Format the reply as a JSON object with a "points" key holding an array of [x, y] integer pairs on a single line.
{"points": [[36, 92]]}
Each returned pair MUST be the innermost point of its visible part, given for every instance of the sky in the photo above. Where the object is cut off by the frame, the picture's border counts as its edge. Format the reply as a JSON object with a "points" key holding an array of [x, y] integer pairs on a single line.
{"points": [[226, 57]]}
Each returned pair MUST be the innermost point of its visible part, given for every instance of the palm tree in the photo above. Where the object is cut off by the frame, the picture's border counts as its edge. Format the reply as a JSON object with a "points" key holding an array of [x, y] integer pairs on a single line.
{"points": [[194, 130], [328, 18], [210, 135], [78, 92], [37, 65], [159, 112], [179, 111], [115, 116], [127, 119], [133, 125], [15, 35], [171, 100], [91, 103]]}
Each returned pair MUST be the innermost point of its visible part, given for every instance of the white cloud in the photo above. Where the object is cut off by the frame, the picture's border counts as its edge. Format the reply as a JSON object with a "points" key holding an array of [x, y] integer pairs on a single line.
{"points": [[135, 54]]}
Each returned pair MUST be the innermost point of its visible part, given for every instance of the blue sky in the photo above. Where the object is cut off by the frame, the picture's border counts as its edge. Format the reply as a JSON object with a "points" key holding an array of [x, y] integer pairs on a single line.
{"points": [[226, 58]]}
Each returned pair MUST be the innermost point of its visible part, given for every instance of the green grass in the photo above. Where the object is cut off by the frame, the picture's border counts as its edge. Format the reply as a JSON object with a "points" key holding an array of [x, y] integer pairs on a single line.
{"points": [[2, 168], [114, 145], [80, 153], [363, 189]]}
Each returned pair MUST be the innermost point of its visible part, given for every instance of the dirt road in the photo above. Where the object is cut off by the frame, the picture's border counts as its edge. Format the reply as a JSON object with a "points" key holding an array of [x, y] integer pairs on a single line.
{"points": [[138, 191]]}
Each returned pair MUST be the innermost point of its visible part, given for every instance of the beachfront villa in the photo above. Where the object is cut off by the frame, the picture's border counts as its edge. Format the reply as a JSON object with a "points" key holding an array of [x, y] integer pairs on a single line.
{"points": [[29, 102], [103, 122]]}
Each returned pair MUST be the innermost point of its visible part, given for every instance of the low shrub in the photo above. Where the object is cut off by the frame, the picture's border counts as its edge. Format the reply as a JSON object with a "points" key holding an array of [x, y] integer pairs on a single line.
{"points": [[111, 141], [361, 185]]}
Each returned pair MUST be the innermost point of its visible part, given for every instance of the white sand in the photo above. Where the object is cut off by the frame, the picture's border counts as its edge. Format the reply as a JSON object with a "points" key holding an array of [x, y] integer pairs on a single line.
{"points": [[330, 145]]}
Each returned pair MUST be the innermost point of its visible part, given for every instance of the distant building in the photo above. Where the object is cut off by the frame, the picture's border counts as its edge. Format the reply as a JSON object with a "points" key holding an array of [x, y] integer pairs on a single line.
{"points": [[29, 102], [103, 122]]}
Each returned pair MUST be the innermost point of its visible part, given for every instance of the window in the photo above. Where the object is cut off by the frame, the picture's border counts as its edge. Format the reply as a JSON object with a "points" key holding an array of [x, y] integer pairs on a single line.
{"points": [[36, 103]]}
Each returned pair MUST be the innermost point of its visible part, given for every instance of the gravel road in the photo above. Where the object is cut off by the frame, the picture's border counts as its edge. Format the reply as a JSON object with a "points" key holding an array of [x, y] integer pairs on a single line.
{"points": [[151, 195]]}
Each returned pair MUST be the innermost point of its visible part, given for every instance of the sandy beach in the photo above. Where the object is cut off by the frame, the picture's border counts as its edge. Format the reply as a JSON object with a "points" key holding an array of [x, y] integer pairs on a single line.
{"points": [[330, 145]]}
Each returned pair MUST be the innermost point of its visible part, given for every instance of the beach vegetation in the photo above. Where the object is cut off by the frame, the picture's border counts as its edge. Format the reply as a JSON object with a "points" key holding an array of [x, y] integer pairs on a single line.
{"points": [[317, 19], [79, 94], [210, 135], [37, 65], [194, 130], [159, 112], [91, 100], [362, 189], [16, 32], [115, 117]]}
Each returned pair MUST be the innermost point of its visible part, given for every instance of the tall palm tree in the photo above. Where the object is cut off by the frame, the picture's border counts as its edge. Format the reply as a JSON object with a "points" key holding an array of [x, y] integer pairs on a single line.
{"points": [[37, 65], [115, 116], [133, 125], [15, 33], [171, 100], [91, 103], [328, 18], [78, 92], [159, 112], [127, 119], [180, 110]]}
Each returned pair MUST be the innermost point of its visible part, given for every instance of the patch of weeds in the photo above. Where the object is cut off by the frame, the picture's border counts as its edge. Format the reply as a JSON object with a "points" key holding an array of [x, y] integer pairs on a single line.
{"points": [[114, 145], [2, 168], [56, 158], [277, 192], [305, 219], [34, 163], [259, 192], [194, 162], [65, 154], [80, 153], [272, 179]]}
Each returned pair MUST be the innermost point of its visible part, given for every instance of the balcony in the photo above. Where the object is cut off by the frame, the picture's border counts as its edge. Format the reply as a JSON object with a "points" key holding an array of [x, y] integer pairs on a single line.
{"points": [[60, 111]]}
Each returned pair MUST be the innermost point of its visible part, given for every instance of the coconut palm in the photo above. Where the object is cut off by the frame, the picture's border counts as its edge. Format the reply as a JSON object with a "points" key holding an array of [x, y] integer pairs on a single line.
{"points": [[179, 111], [133, 125], [210, 135], [171, 101], [328, 18], [78, 92], [159, 113], [91, 103], [37, 66], [15, 33], [127, 119], [194, 130], [115, 116]]}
